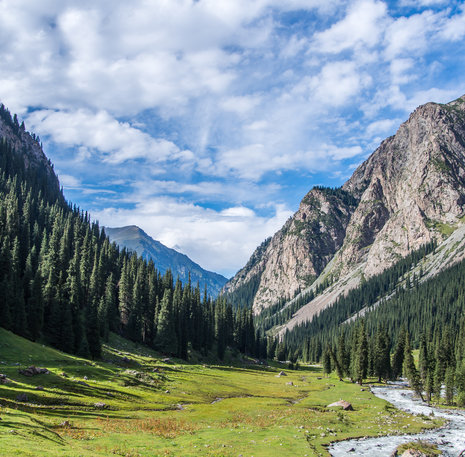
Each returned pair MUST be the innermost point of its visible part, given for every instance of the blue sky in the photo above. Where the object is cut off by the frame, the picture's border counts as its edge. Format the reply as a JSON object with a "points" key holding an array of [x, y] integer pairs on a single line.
{"points": [[205, 122]]}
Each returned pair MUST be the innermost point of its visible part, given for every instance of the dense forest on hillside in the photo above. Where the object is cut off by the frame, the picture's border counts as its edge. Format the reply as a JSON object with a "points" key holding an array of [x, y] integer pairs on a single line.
{"points": [[410, 313], [63, 282]]}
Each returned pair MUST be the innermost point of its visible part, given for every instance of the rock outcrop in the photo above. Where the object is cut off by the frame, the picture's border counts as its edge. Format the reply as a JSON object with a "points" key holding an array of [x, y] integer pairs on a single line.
{"points": [[26, 144], [298, 253], [410, 191]]}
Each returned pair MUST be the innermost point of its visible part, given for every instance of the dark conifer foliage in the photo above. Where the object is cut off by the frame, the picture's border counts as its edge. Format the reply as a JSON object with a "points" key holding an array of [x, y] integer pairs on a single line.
{"points": [[63, 282]]}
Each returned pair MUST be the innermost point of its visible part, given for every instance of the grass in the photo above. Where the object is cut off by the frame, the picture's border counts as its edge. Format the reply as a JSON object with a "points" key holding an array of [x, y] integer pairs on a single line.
{"points": [[427, 449], [177, 409]]}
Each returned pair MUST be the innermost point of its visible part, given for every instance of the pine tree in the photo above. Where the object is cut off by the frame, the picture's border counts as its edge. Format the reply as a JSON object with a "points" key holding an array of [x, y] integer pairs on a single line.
{"points": [[342, 356], [381, 353], [398, 356], [166, 340], [450, 384], [410, 370], [361, 355], [327, 368]]}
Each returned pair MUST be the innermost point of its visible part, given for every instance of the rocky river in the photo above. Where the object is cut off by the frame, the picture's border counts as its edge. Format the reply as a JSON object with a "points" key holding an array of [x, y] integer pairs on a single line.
{"points": [[449, 439]]}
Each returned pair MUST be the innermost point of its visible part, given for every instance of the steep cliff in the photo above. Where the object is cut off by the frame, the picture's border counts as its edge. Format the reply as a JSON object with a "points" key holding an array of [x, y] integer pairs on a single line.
{"points": [[410, 191], [296, 255], [27, 146]]}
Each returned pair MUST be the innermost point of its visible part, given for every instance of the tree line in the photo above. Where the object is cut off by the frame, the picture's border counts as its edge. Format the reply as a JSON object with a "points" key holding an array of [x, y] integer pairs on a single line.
{"points": [[63, 282]]}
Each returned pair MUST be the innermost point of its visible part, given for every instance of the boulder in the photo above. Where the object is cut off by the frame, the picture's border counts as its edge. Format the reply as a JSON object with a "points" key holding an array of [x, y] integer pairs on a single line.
{"points": [[281, 373], [100, 405], [413, 453], [345, 405], [290, 383], [33, 371], [22, 397], [4, 379]]}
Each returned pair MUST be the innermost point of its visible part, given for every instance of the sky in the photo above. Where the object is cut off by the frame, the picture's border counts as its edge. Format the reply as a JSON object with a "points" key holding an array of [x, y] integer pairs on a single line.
{"points": [[205, 122]]}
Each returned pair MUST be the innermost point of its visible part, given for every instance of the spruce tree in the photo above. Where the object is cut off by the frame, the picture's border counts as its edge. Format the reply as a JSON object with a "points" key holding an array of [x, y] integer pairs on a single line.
{"points": [[166, 340], [399, 353], [410, 370], [361, 355], [327, 368]]}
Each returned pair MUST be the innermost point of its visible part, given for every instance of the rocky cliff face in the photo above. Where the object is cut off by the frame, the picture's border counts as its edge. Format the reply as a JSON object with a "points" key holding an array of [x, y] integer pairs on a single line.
{"points": [[409, 191], [27, 145], [296, 255]]}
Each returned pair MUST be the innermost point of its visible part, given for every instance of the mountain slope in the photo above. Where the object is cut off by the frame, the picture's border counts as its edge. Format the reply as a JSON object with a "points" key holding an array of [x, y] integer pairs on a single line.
{"points": [[410, 191], [135, 239], [26, 146]]}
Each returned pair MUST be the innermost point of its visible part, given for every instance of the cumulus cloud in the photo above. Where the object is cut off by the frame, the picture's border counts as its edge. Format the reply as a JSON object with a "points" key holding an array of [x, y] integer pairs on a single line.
{"points": [[338, 82], [362, 26], [407, 36], [115, 141]]}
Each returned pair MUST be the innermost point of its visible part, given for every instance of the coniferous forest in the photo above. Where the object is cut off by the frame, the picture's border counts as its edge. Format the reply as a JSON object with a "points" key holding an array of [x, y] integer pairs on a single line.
{"points": [[64, 283]]}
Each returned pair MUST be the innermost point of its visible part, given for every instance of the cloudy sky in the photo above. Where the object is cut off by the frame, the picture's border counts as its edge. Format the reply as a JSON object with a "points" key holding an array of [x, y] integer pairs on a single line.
{"points": [[206, 121]]}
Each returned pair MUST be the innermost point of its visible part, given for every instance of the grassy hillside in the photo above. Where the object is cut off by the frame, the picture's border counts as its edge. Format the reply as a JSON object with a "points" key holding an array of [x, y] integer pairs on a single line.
{"points": [[153, 408]]}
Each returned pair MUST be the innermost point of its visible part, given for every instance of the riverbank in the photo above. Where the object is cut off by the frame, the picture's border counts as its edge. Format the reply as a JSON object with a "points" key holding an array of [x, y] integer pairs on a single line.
{"points": [[450, 439]]}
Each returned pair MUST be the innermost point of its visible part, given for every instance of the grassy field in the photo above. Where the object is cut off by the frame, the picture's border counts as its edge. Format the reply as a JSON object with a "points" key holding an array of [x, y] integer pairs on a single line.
{"points": [[132, 404]]}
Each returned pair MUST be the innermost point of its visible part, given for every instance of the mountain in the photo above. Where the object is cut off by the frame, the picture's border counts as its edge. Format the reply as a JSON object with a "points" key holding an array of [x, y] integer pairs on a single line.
{"points": [[29, 151], [408, 193], [135, 239]]}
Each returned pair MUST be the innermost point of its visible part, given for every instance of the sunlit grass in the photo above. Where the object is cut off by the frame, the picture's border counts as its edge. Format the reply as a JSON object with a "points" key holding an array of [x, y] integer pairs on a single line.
{"points": [[153, 408]]}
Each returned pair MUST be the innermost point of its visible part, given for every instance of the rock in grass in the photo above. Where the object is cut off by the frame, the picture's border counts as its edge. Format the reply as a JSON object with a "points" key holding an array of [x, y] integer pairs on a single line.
{"points": [[290, 383], [82, 383], [100, 405], [39, 388], [413, 453], [4, 379], [33, 371], [345, 405], [281, 373], [22, 398]]}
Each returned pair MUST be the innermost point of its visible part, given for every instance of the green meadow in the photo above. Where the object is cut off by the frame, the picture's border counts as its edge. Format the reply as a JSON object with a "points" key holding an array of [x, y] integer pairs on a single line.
{"points": [[133, 404]]}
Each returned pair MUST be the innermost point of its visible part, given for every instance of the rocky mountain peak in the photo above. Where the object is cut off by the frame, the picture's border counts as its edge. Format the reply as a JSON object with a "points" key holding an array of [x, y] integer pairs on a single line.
{"points": [[410, 191]]}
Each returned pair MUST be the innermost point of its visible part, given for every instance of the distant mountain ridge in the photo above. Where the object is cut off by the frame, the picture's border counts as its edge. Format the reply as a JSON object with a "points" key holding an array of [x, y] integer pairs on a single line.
{"points": [[409, 192], [135, 239]]}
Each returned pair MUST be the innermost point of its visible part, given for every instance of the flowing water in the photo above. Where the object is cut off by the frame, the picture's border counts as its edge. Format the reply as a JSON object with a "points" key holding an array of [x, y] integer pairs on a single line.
{"points": [[449, 439]]}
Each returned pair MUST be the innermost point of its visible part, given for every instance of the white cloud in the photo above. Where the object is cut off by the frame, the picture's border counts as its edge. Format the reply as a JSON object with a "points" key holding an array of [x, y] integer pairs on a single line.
{"points": [[454, 28], [382, 127], [69, 181], [240, 104], [337, 83], [115, 141], [408, 36], [423, 3], [401, 70], [361, 27]]}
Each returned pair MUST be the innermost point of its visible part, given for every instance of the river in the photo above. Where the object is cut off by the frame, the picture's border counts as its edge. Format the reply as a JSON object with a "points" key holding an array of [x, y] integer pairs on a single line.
{"points": [[449, 439]]}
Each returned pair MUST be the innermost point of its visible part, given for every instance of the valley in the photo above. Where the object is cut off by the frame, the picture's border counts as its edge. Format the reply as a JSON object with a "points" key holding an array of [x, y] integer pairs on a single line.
{"points": [[136, 403]]}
